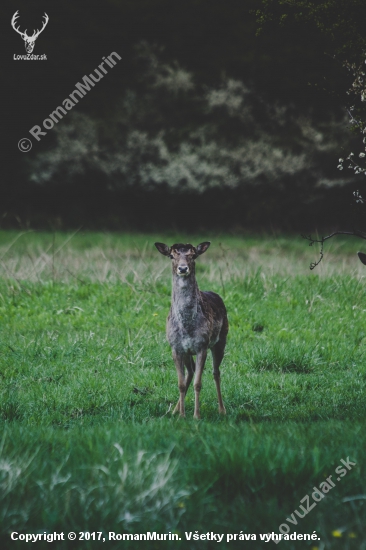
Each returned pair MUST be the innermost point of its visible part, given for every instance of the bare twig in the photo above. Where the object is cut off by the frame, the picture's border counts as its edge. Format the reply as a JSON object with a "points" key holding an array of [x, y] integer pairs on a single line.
{"points": [[168, 411], [354, 233]]}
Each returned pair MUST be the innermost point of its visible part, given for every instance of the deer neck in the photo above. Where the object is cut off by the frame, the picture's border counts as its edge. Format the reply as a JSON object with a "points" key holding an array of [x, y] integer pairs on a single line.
{"points": [[185, 297]]}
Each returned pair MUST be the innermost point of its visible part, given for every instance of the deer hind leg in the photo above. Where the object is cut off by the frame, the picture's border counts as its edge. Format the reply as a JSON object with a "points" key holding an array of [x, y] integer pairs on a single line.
{"points": [[189, 363], [217, 356], [200, 363]]}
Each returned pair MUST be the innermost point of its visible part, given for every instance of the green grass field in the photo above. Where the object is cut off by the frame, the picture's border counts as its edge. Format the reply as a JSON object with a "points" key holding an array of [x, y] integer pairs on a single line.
{"points": [[87, 384]]}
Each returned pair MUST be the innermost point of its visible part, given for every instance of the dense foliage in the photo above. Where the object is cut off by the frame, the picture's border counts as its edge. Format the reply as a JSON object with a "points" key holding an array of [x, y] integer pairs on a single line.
{"points": [[198, 106], [342, 23]]}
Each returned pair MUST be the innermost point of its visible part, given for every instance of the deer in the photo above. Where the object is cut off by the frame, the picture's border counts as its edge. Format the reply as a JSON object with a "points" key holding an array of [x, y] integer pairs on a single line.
{"points": [[197, 322], [29, 41]]}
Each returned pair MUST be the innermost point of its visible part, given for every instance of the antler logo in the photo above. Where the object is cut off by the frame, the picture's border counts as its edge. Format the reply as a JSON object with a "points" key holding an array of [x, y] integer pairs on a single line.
{"points": [[28, 40]]}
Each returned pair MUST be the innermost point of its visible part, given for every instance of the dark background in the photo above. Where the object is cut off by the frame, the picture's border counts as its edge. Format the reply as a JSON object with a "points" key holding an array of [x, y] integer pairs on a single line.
{"points": [[144, 149]]}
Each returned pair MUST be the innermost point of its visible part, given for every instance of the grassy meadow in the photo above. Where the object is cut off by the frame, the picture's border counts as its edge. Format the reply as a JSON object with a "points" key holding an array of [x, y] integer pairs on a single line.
{"points": [[87, 384]]}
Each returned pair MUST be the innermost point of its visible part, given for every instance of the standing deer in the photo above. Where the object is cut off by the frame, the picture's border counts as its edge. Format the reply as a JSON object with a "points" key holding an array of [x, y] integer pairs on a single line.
{"points": [[197, 322]]}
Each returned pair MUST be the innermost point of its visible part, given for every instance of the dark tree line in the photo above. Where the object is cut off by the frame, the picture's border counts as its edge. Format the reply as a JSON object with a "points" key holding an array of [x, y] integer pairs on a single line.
{"points": [[199, 112]]}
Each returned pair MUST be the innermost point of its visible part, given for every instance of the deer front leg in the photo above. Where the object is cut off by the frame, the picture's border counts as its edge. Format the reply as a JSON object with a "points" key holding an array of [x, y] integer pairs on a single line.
{"points": [[179, 365], [189, 363], [200, 363]]}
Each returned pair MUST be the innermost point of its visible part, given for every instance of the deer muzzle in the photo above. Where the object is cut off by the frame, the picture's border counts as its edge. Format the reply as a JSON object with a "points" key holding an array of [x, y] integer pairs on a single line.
{"points": [[182, 270]]}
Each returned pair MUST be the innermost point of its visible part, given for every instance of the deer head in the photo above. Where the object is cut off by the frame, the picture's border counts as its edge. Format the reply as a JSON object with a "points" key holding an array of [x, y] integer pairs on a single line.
{"points": [[183, 256], [28, 40]]}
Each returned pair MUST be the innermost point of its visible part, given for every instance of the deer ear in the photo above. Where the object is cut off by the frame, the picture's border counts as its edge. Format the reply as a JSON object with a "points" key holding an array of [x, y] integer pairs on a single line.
{"points": [[201, 248], [163, 249], [362, 257]]}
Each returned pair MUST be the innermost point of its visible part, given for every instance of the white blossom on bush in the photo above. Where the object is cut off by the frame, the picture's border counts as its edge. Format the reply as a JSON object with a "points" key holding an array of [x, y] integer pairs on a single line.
{"points": [[144, 145]]}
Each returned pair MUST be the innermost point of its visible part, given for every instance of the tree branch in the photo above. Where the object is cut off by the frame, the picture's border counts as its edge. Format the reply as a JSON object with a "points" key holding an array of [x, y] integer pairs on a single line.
{"points": [[354, 233]]}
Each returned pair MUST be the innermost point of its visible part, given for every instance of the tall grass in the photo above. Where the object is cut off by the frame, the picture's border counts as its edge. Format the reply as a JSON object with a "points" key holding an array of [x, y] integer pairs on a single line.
{"points": [[108, 257]]}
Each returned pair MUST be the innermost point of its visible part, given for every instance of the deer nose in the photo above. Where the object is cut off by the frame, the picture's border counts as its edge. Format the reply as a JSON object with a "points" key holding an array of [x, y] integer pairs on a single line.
{"points": [[183, 269]]}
